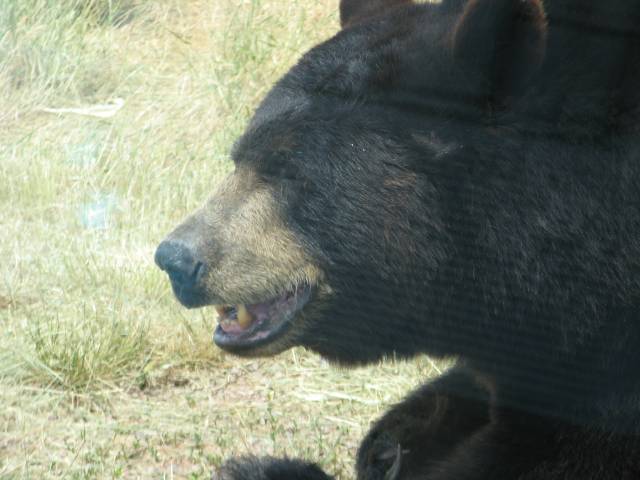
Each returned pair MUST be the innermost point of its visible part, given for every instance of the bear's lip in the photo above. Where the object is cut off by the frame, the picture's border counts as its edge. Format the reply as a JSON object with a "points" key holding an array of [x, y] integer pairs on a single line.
{"points": [[260, 323]]}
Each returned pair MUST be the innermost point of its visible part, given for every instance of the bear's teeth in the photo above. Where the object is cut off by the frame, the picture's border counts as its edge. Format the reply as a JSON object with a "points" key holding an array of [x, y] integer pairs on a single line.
{"points": [[245, 319], [239, 315]]}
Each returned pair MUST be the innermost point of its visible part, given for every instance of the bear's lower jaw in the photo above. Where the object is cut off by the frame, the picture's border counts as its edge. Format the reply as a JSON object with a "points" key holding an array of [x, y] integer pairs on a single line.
{"points": [[243, 328]]}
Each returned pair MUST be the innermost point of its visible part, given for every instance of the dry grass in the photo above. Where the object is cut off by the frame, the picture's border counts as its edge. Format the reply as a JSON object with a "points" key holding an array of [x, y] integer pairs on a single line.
{"points": [[186, 422], [102, 374]]}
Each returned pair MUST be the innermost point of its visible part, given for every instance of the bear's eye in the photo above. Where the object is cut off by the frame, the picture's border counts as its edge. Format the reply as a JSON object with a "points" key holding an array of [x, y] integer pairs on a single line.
{"points": [[284, 171], [279, 168]]}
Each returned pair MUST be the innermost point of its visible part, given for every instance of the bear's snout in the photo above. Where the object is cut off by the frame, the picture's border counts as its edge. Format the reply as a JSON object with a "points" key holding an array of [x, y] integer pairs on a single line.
{"points": [[185, 269]]}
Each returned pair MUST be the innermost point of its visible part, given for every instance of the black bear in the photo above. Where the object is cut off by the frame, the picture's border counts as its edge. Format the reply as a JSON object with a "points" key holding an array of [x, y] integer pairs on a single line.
{"points": [[457, 179]]}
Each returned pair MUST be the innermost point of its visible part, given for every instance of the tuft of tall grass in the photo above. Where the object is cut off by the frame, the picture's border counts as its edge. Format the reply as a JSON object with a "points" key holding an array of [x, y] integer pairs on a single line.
{"points": [[90, 352]]}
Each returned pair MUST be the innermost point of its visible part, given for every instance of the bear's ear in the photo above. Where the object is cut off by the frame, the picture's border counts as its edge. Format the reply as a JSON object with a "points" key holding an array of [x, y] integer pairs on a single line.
{"points": [[504, 41], [355, 11]]}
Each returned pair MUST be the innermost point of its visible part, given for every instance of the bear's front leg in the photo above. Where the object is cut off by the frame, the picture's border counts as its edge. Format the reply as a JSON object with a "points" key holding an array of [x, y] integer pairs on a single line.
{"points": [[269, 468], [423, 429]]}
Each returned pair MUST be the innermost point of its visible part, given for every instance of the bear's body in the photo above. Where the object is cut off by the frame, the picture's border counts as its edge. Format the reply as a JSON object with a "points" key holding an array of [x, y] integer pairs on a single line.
{"points": [[421, 184]]}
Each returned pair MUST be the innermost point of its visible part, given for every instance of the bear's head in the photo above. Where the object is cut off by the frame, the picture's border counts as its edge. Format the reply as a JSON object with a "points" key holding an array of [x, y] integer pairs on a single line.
{"points": [[335, 230]]}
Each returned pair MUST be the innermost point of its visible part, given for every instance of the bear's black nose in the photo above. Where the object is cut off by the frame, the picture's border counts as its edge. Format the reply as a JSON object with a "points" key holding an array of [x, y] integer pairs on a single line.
{"points": [[185, 271], [176, 259]]}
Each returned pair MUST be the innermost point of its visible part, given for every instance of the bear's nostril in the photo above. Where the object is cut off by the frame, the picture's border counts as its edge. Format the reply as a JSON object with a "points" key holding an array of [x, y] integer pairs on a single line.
{"points": [[198, 272]]}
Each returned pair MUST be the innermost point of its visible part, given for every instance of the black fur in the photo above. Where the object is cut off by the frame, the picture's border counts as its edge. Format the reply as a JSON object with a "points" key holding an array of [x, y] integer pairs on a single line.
{"points": [[479, 203], [267, 468], [590, 81]]}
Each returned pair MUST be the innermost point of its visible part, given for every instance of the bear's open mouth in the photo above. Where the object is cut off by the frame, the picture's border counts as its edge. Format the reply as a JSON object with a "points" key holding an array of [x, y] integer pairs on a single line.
{"points": [[251, 325]]}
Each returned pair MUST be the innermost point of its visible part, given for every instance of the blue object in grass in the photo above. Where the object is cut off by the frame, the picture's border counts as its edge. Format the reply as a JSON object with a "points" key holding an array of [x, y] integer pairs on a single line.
{"points": [[96, 214]]}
